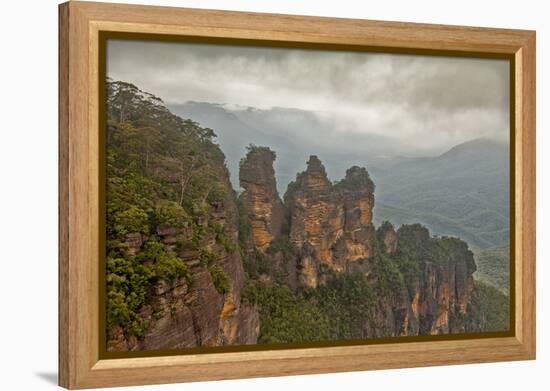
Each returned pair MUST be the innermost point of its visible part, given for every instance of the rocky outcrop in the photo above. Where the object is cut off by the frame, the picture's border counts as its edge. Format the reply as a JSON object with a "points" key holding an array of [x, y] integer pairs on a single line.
{"points": [[436, 288], [194, 313], [260, 197], [393, 317], [331, 228], [331, 225], [358, 239], [317, 218], [441, 284]]}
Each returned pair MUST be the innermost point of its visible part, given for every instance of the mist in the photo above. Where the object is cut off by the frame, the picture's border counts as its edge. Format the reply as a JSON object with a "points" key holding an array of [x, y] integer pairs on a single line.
{"points": [[412, 105]]}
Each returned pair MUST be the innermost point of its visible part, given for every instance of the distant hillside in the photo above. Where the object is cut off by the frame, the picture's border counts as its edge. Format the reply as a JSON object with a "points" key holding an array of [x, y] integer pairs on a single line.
{"points": [[463, 192]]}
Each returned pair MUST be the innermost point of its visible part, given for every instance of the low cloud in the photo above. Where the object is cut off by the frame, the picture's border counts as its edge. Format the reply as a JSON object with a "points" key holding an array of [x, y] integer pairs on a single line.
{"points": [[427, 103]]}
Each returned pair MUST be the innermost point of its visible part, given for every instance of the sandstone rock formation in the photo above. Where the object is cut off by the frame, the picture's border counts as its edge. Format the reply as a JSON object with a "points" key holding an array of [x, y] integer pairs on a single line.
{"points": [[437, 285], [331, 228], [260, 197], [331, 225], [184, 315], [442, 286]]}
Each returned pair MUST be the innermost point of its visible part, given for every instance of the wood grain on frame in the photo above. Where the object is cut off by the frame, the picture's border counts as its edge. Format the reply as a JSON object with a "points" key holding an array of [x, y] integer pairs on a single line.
{"points": [[79, 157]]}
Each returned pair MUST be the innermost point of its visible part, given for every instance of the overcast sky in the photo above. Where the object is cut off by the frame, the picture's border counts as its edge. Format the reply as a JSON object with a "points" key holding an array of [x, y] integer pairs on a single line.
{"points": [[428, 103]]}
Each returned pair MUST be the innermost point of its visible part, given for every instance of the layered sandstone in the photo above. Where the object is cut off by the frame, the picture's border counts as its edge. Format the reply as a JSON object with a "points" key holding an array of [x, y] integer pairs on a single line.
{"points": [[331, 228], [331, 225], [184, 315], [437, 284], [260, 197]]}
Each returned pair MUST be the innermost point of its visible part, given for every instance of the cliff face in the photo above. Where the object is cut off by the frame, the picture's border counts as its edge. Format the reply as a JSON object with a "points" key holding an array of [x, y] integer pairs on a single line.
{"points": [[183, 314], [331, 232], [331, 225], [260, 197], [441, 284], [175, 276]]}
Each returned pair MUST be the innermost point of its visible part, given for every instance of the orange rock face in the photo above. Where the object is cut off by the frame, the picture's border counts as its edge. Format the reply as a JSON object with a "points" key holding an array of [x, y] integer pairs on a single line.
{"points": [[183, 315], [331, 226], [260, 197], [334, 221]]}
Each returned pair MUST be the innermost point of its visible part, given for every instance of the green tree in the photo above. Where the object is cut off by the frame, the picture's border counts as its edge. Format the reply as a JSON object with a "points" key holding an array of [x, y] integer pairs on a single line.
{"points": [[171, 214], [133, 219]]}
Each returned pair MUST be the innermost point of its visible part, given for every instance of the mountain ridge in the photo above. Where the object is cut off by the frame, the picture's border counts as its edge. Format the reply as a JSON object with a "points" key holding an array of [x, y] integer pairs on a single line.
{"points": [[464, 191]]}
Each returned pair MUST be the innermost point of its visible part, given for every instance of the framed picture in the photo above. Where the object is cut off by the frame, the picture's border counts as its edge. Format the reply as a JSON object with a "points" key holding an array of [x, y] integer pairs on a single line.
{"points": [[247, 195]]}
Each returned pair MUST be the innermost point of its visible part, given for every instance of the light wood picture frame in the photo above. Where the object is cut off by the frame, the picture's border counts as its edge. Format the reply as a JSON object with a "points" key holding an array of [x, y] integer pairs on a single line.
{"points": [[81, 29]]}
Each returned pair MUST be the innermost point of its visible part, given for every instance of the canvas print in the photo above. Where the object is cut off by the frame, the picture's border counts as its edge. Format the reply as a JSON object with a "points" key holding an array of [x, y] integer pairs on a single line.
{"points": [[271, 196]]}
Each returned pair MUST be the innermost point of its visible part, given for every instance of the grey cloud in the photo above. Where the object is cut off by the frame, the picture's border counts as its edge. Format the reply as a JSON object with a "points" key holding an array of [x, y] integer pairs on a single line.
{"points": [[427, 103]]}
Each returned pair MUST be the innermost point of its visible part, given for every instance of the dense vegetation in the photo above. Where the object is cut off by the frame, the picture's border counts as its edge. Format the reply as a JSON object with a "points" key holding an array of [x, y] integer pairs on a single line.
{"points": [[489, 309], [493, 265], [162, 172], [341, 309], [286, 316]]}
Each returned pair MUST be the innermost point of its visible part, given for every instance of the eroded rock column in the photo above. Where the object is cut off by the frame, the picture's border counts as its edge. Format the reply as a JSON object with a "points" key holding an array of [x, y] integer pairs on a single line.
{"points": [[260, 197]]}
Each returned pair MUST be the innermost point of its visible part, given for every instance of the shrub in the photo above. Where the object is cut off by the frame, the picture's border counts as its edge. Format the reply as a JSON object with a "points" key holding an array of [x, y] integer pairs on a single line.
{"points": [[215, 227], [407, 265], [228, 244], [281, 244], [388, 277], [171, 214], [347, 300], [185, 244], [206, 257], [219, 279], [133, 219], [263, 263], [128, 287], [129, 284], [249, 263], [244, 223], [166, 265]]}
